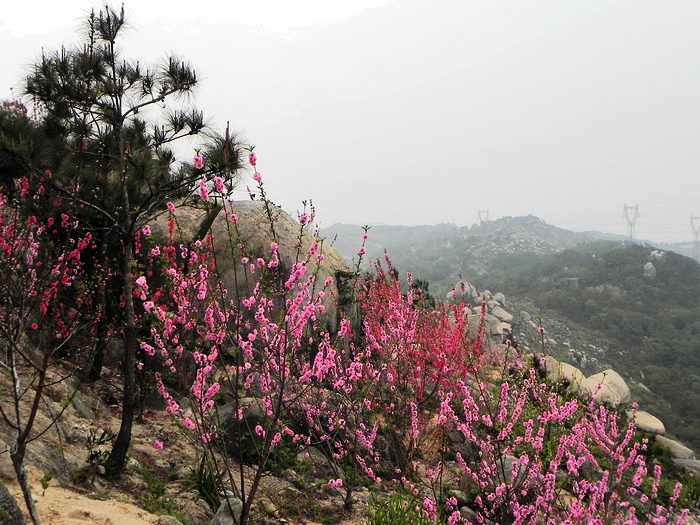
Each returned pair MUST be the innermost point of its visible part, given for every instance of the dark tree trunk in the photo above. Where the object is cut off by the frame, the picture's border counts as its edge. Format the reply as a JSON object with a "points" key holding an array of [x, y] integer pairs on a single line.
{"points": [[117, 457]]}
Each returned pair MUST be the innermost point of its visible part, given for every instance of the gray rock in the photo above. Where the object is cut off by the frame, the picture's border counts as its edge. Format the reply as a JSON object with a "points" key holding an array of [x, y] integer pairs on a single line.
{"points": [[608, 386], [7, 470], [649, 271], [9, 505], [253, 415], [82, 408], [255, 236], [678, 451], [322, 468], [502, 314], [558, 372], [229, 512], [645, 422], [167, 520], [471, 516], [460, 496], [500, 298], [691, 466]]}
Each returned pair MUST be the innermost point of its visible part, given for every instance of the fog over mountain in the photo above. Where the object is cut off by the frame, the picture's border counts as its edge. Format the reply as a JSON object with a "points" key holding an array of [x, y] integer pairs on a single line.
{"points": [[400, 112]]}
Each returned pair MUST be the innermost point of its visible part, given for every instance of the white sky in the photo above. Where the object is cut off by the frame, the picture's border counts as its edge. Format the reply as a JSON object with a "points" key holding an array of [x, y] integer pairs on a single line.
{"points": [[408, 112]]}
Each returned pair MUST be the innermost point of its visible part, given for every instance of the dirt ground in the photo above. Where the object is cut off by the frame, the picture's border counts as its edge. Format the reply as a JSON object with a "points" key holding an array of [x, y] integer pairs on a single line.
{"points": [[98, 501]]}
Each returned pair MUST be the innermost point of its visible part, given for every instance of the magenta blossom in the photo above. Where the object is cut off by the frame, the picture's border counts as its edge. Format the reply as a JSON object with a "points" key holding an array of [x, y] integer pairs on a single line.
{"points": [[198, 162], [257, 177], [252, 159], [158, 445]]}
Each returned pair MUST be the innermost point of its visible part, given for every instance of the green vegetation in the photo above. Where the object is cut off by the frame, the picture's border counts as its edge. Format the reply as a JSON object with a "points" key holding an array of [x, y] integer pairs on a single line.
{"points": [[650, 324]]}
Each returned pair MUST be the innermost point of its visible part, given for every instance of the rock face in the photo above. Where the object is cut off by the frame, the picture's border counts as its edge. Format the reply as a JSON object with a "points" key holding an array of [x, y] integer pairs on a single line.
{"points": [[254, 235], [609, 387]]}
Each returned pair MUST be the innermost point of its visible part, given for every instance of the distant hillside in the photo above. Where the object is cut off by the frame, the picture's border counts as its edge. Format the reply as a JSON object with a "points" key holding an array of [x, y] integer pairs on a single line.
{"points": [[644, 304], [445, 253], [596, 293]]}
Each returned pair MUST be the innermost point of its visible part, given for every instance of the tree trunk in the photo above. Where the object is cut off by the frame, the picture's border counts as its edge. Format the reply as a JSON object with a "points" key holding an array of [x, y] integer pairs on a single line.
{"points": [[117, 456], [17, 452]]}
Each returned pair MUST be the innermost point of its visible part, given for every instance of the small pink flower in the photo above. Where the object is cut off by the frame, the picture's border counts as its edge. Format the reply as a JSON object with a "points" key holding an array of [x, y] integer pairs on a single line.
{"points": [[335, 483], [252, 159], [146, 230], [198, 162], [257, 177], [361, 251], [219, 183], [158, 445], [203, 191]]}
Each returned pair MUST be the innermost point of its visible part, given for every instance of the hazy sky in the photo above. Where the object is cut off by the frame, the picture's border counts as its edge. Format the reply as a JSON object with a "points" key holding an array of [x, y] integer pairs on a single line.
{"points": [[408, 112]]}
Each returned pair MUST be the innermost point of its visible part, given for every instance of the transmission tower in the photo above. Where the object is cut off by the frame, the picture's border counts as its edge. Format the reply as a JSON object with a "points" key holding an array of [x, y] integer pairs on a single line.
{"points": [[631, 214], [482, 216], [695, 226]]}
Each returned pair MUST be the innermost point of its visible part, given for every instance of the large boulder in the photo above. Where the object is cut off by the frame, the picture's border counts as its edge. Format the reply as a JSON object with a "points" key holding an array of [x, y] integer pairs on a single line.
{"points": [[678, 451], [502, 314], [240, 436], [691, 466], [645, 422], [252, 238], [608, 387], [559, 372]]}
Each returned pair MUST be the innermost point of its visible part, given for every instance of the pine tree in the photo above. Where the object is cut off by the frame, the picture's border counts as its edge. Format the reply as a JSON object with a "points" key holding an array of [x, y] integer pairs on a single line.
{"points": [[106, 126]]}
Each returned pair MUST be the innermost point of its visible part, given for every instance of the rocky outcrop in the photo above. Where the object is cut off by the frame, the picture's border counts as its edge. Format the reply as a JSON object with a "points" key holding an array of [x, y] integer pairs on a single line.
{"points": [[559, 372], [678, 451], [252, 238], [691, 466], [608, 387], [645, 422]]}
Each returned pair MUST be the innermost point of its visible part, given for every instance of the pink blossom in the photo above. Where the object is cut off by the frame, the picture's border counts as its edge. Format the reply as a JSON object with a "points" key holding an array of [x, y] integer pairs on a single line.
{"points": [[361, 251], [158, 445], [203, 191], [146, 230], [219, 183], [252, 159], [257, 177], [198, 162], [335, 483], [171, 207]]}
